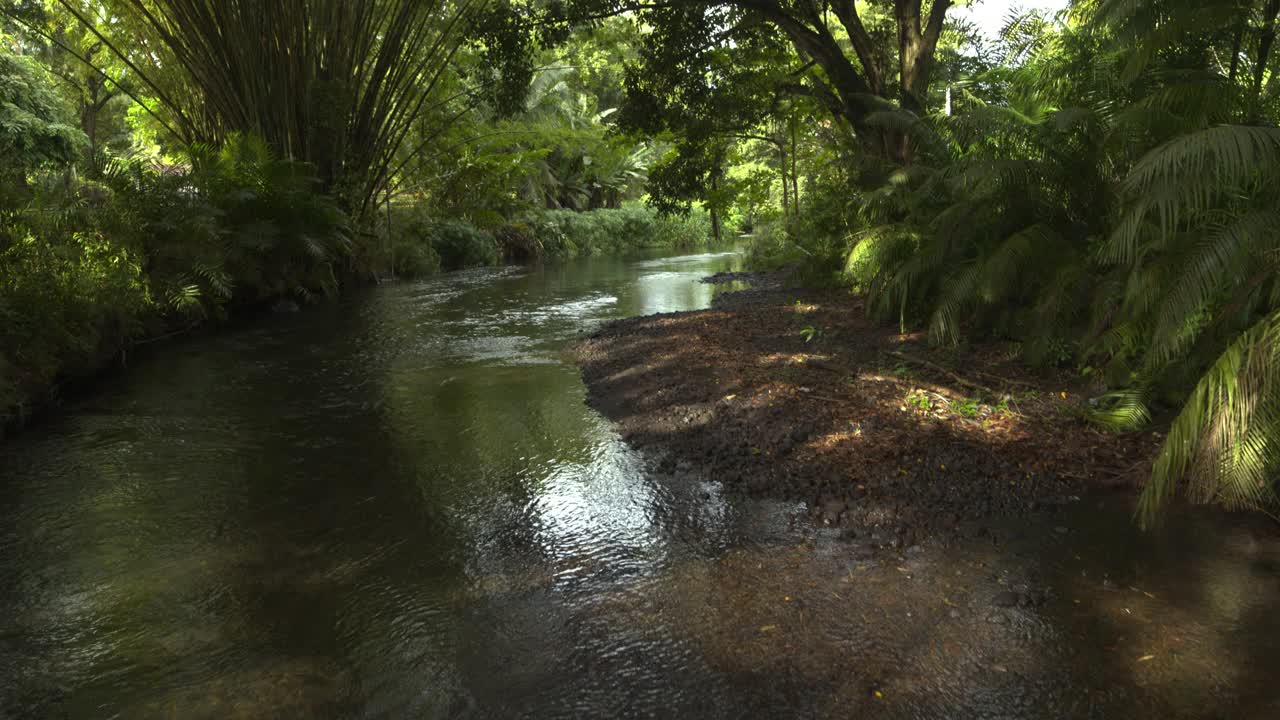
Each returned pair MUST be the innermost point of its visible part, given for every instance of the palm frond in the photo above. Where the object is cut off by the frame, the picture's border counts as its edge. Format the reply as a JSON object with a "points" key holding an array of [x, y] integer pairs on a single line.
{"points": [[1222, 443]]}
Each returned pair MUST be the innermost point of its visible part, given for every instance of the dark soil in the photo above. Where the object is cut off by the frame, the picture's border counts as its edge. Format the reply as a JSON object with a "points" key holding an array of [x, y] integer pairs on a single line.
{"points": [[722, 278], [797, 395]]}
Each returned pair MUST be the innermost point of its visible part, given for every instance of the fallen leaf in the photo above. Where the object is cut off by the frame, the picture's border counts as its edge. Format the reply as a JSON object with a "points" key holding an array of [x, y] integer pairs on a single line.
{"points": [[768, 628], [1145, 658]]}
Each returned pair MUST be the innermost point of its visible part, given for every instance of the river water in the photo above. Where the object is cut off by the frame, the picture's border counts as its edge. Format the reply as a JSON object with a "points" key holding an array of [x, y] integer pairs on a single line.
{"points": [[399, 506]]}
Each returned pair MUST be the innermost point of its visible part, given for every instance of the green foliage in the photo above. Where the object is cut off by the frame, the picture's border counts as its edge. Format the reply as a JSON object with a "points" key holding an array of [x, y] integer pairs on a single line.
{"points": [[87, 268], [36, 125], [1119, 411], [682, 231], [237, 225], [1105, 198], [631, 227], [919, 401], [65, 298], [966, 407], [1102, 187], [1222, 443], [461, 245], [400, 246]]}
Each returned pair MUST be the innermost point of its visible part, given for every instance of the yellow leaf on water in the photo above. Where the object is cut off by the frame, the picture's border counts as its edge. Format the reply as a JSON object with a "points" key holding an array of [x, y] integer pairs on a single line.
{"points": [[879, 694], [768, 628]]}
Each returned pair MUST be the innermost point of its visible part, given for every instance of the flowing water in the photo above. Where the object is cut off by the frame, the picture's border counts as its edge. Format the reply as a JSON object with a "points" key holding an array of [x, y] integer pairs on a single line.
{"points": [[399, 506]]}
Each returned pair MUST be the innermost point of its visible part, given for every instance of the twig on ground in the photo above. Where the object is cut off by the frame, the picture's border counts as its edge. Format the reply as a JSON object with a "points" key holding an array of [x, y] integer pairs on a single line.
{"points": [[944, 371]]}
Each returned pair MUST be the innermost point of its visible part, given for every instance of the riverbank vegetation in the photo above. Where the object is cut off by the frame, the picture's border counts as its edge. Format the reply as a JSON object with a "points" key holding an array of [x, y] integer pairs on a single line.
{"points": [[164, 167], [1095, 186]]}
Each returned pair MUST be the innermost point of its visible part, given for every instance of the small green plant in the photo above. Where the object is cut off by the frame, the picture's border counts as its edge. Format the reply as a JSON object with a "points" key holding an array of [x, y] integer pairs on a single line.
{"points": [[810, 333], [1003, 407], [919, 401], [966, 407]]}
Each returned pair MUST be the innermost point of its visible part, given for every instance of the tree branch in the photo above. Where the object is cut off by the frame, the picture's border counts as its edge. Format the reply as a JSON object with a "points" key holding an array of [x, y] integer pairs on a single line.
{"points": [[937, 19], [863, 47], [67, 49]]}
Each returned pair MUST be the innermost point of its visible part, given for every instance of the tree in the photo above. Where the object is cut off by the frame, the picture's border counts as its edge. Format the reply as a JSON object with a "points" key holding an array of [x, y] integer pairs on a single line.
{"points": [[36, 125], [334, 83], [889, 61]]}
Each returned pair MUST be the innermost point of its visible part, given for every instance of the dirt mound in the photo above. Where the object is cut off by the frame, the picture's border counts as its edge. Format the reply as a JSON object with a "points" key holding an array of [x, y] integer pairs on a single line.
{"points": [[796, 395]]}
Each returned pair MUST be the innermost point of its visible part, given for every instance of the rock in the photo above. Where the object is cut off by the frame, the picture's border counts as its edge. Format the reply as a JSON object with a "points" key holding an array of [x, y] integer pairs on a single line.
{"points": [[954, 614]]}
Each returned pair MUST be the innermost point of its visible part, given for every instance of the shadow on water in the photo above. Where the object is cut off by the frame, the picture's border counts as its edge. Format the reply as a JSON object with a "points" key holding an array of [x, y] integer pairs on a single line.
{"points": [[400, 506]]}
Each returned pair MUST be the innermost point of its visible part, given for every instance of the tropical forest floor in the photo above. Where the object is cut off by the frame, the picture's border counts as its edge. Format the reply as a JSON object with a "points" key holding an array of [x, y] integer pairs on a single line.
{"points": [[797, 395]]}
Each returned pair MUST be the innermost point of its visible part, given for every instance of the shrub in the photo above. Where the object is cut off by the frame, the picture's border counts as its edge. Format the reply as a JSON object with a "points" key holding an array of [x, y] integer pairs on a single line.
{"points": [[411, 259], [460, 244], [66, 304], [563, 233], [519, 243], [690, 231], [86, 268], [402, 247]]}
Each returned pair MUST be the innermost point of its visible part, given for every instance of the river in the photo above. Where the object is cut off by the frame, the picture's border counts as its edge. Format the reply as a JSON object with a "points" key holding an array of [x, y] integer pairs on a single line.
{"points": [[398, 505]]}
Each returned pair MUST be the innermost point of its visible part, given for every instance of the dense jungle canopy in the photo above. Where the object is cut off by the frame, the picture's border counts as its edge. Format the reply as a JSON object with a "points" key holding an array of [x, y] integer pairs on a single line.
{"points": [[1098, 185]]}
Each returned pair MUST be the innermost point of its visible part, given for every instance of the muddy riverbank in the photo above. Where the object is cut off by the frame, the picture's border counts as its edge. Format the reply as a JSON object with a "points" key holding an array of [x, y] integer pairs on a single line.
{"points": [[796, 395], [969, 538]]}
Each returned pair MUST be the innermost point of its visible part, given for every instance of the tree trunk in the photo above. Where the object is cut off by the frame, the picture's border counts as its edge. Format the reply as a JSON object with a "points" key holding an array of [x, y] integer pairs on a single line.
{"points": [[715, 205], [795, 175], [852, 92], [1235, 49], [782, 164], [1265, 40], [917, 45]]}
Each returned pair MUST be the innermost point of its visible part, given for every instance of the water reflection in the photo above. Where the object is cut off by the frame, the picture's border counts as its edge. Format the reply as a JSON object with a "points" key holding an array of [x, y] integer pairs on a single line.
{"points": [[399, 506]]}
